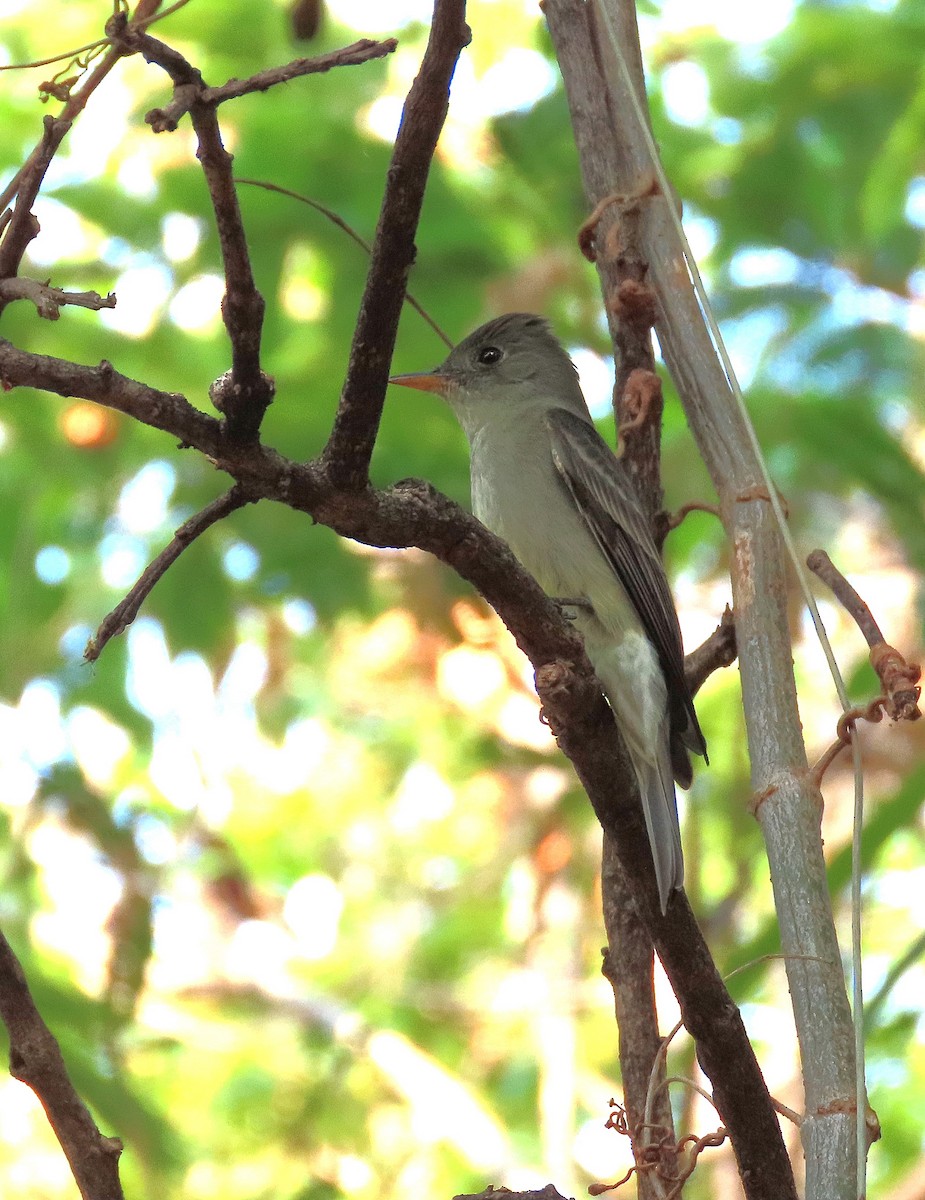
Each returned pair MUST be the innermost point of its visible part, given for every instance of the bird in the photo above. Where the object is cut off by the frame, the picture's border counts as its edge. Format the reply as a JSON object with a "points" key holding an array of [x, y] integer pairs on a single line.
{"points": [[544, 480]]}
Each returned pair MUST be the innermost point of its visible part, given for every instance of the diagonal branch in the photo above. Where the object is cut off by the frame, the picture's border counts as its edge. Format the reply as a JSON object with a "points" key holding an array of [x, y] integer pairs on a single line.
{"points": [[35, 1060], [127, 610], [899, 679], [415, 514], [719, 650], [23, 226], [350, 446], [75, 104], [245, 392]]}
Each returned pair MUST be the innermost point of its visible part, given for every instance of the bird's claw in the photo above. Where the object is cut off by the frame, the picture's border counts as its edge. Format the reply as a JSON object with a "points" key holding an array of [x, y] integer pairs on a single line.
{"points": [[570, 606]]}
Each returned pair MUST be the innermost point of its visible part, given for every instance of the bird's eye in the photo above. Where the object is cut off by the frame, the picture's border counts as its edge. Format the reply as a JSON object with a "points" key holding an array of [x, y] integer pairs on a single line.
{"points": [[489, 355]]}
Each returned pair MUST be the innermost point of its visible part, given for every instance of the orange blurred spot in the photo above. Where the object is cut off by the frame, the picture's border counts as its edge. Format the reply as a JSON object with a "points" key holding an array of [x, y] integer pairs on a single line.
{"points": [[553, 852], [89, 426]]}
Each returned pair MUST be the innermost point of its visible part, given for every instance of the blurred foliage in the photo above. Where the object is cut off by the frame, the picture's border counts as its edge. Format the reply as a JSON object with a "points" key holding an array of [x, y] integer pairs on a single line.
{"points": [[294, 870]]}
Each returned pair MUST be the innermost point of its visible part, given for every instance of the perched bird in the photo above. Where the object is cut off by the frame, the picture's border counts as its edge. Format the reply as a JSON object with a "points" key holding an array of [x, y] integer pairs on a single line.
{"points": [[545, 480]]}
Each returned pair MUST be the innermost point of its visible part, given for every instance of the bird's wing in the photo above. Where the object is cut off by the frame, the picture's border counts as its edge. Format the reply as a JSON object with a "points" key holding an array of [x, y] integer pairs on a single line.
{"points": [[606, 497]]}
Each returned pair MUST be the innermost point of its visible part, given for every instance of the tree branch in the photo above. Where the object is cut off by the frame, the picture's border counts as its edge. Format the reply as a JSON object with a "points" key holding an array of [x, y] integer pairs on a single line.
{"points": [[413, 513], [350, 445], [719, 650], [898, 678], [615, 159], [50, 300], [35, 1060], [166, 120], [243, 393], [23, 227], [127, 610]]}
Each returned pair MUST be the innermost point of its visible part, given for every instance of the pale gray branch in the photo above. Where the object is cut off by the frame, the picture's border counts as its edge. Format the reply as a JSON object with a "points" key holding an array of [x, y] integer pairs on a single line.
{"points": [[615, 160]]}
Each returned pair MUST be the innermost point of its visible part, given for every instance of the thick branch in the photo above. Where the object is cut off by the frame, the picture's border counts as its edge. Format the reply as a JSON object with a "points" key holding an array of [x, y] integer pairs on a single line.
{"points": [[35, 1060], [350, 446], [415, 514], [615, 158]]}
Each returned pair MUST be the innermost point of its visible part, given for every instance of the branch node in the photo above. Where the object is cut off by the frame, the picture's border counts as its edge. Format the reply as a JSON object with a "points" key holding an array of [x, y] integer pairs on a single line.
{"points": [[624, 201], [642, 394], [635, 303]]}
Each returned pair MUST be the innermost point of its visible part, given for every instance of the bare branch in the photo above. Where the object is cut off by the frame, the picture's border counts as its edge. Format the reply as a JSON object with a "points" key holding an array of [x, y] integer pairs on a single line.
{"points": [[628, 962], [348, 56], [350, 445], [76, 102], [186, 94], [627, 966], [127, 610], [23, 227], [719, 650], [820, 564], [35, 1060], [898, 678], [50, 300], [244, 393]]}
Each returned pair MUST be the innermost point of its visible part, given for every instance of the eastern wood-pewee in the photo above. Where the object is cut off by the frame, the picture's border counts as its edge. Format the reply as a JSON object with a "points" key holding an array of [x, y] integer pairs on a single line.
{"points": [[545, 480]]}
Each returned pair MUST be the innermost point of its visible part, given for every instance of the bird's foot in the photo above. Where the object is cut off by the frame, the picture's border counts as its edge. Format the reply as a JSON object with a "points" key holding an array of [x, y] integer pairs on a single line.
{"points": [[570, 606]]}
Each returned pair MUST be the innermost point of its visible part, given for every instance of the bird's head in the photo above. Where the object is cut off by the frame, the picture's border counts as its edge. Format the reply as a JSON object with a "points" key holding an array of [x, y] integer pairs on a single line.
{"points": [[514, 361]]}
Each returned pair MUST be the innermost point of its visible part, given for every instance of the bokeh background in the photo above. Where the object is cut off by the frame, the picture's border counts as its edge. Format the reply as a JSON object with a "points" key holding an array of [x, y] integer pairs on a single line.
{"points": [[296, 874]]}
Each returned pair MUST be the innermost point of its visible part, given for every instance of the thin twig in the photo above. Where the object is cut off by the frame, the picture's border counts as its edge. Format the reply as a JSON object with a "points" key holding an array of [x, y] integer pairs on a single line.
{"points": [[356, 424], [353, 55], [821, 565], [719, 650], [899, 678], [126, 610], [36, 1060], [166, 119], [23, 227], [50, 300], [47, 62], [77, 101], [339, 221]]}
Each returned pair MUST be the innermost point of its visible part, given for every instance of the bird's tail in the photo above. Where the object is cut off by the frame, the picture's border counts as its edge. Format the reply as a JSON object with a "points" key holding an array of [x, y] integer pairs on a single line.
{"points": [[660, 808]]}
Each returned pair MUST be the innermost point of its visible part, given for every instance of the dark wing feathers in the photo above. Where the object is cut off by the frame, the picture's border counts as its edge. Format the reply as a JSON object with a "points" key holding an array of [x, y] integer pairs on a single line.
{"points": [[606, 497]]}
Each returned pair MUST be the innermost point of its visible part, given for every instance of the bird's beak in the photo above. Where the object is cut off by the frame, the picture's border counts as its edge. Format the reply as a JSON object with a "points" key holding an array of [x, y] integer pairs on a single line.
{"points": [[430, 381]]}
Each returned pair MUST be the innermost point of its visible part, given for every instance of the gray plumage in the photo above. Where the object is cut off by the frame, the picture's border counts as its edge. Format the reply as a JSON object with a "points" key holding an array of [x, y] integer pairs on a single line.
{"points": [[545, 481]]}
